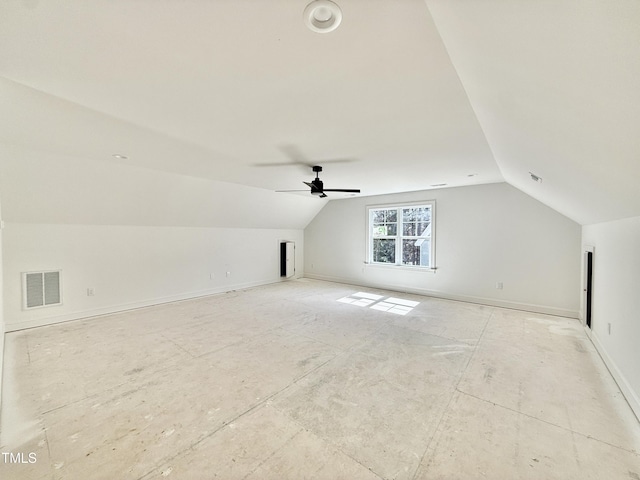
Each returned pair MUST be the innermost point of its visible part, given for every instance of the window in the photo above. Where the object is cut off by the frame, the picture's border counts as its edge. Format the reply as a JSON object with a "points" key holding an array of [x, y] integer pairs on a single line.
{"points": [[401, 235]]}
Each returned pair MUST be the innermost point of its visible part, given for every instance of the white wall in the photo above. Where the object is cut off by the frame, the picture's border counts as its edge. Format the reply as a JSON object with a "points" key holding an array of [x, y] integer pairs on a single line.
{"points": [[135, 266], [616, 300], [2, 326], [484, 234]]}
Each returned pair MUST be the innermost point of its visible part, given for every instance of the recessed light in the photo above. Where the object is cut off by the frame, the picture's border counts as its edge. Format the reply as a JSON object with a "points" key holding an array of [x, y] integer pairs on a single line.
{"points": [[119, 156], [322, 16]]}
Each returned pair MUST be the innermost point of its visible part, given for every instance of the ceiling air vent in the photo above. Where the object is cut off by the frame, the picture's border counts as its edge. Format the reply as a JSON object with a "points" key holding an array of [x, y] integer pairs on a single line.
{"points": [[41, 289]]}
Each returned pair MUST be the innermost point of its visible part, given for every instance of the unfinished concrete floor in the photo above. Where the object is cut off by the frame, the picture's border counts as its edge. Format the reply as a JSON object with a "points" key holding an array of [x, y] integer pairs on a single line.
{"points": [[287, 382]]}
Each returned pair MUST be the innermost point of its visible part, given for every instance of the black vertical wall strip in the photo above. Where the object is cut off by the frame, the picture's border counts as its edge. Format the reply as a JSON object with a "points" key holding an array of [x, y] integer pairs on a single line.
{"points": [[589, 282]]}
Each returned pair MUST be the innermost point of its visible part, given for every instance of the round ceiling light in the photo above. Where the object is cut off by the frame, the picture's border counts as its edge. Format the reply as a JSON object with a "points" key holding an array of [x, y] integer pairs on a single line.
{"points": [[322, 16]]}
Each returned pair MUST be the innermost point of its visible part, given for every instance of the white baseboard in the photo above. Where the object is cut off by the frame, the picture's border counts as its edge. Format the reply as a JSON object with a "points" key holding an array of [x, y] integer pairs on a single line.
{"points": [[561, 312], [629, 394], [107, 310]]}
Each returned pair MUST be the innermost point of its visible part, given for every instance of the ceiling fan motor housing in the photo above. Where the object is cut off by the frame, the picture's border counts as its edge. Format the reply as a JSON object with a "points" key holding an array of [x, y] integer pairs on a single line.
{"points": [[317, 187]]}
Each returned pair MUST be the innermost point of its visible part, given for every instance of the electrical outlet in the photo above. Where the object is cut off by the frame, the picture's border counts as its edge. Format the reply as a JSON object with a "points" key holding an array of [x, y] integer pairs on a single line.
{"points": [[609, 328], [91, 292], [499, 285], [228, 274], [212, 276]]}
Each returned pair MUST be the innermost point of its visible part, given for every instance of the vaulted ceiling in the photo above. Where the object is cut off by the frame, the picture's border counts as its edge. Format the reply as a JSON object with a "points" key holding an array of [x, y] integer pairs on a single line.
{"points": [[404, 95]]}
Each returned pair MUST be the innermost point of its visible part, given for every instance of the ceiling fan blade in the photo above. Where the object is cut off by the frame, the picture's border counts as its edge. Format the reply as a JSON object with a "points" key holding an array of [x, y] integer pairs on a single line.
{"points": [[309, 184], [294, 154], [292, 190], [298, 158], [348, 190], [323, 196], [295, 158], [280, 164]]}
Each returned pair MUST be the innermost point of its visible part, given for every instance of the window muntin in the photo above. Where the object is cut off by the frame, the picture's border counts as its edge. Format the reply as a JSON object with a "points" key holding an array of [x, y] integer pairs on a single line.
{"points": [[401, 235]]}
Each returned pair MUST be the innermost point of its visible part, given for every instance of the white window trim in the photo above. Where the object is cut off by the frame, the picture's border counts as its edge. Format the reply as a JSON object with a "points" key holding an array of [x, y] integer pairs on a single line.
{"points": [[369, 263]]}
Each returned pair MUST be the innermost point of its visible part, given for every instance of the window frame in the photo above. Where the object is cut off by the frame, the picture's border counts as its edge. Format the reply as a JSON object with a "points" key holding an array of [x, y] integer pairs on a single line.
{"points": [[399, 235]]}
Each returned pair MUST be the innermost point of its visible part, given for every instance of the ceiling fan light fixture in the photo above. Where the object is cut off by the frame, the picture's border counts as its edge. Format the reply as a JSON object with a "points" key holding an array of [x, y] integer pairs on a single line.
{"points": [[322, 16]]}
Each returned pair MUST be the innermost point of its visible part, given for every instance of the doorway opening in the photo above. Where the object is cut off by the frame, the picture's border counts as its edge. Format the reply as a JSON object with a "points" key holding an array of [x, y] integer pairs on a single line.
{"points": [[588, 285]]}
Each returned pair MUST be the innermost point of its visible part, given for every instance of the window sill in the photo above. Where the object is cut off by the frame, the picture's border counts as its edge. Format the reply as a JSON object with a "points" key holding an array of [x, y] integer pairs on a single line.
{"points": [[401, 267]]}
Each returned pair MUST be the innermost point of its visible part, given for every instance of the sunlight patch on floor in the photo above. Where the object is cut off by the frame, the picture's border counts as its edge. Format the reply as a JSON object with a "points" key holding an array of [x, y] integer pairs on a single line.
{"points": [[399, 306]]}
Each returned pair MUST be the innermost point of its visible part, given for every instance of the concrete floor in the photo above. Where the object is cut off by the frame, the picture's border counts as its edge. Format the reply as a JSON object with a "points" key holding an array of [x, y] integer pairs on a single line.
{"points": [[286, 382]]}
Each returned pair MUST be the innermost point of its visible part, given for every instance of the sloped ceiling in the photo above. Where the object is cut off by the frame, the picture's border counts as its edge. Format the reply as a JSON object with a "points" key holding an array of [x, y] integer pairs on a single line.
{"points": [[404, 95], [556, 88]]}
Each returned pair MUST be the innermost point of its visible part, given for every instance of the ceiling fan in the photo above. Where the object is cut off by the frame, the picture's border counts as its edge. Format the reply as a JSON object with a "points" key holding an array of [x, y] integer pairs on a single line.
{"points": [[317, 186]]}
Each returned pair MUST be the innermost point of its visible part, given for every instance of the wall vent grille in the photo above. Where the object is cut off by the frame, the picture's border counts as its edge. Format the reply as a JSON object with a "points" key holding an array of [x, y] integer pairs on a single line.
{"points": [[41, 289]]}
